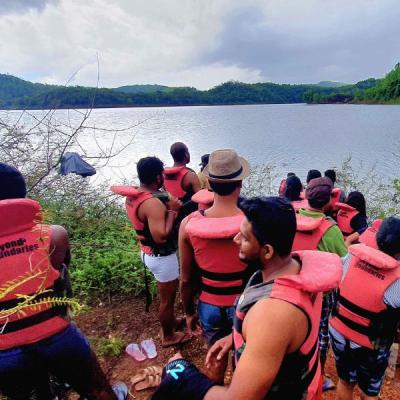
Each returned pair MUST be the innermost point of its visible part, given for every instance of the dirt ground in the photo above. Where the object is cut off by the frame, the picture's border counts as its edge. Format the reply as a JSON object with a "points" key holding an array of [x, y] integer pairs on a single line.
{"points": [[127, 320]]}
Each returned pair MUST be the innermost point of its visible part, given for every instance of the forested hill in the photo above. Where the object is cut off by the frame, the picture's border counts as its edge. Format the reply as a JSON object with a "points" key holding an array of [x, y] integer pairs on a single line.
{"points": [[370, 91], [16, 93]]}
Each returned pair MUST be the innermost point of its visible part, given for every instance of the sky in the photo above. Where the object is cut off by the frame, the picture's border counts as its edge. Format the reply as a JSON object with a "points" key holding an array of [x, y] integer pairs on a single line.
{"points": [[199, 43]]}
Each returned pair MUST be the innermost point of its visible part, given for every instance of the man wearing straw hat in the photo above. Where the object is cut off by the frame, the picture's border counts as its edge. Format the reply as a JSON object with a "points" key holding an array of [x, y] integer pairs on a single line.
{"points": [[208, 255]]}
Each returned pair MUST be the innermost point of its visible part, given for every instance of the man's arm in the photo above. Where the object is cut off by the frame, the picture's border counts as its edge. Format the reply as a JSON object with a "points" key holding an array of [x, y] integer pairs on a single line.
{"points": [[187, 281], [272, 329], [159, 218], [59, 247], [191, 182]]}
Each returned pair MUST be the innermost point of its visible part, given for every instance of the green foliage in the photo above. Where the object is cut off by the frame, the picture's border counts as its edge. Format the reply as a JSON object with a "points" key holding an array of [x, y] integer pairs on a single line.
{"points": [[385, 91], [388, 89], [105, 256], [20, 94], [111, 346]]}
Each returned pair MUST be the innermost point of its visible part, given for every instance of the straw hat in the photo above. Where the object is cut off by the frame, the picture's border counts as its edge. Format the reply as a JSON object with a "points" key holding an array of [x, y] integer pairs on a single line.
{"points": [[226, 166]]}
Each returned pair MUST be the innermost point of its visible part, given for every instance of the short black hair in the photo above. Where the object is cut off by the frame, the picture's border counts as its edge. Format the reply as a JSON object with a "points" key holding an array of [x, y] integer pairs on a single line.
{"points": [[317, 203], [148, 168], [178, 151], [331, 174], [388, 236], [312, 174], [12, 183], [273, 220], [224, 188], [293, 188], [357, 200], [291, 174]]}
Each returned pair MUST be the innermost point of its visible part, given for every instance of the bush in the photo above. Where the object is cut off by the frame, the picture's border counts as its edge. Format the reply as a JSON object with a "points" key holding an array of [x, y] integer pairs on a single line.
{"points": [[105, 255]]}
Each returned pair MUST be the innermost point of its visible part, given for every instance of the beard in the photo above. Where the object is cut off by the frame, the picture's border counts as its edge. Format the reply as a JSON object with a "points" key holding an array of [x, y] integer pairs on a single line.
{"points": [[252, 267]]}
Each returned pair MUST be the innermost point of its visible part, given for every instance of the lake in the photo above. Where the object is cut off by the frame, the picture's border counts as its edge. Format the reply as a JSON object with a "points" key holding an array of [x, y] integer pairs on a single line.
{"points": [[293, 137]]}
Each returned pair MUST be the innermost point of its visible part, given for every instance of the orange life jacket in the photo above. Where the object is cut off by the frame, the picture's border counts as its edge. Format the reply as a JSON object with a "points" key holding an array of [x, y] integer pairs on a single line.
{"points": [[134, 199], [173, 177], [368, 237], [204, 198], [335, 197], [26, 270], [297, 204], [344, 217], [361, 314], [299, 375], [217, 257], [282, 187], [310, 232]]}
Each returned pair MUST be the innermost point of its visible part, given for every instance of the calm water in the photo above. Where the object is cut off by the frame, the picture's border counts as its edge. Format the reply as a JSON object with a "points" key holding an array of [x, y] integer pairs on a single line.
{"points": [[292, 137]]}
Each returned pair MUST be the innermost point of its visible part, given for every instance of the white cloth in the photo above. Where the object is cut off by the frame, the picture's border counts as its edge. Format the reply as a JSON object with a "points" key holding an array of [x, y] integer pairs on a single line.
{"points": [[164, 268]]}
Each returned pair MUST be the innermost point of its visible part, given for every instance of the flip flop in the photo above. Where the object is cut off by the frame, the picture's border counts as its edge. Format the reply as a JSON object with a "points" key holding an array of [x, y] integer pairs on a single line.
{"points": [[143, 373], [149, 348], [151, 381], [120, 390], [328, 384], [183, 339], [135, 352]]}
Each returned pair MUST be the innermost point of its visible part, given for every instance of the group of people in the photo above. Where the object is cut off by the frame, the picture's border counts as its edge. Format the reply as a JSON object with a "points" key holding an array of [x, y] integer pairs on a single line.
{"points": [[274, 279]]}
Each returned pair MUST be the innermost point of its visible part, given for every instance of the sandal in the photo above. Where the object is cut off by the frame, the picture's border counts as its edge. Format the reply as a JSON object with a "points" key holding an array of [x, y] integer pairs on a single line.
{"points": [[328, 384], [149, 348], [153, 370], [120, 390], [147, 378], [135, 352]]}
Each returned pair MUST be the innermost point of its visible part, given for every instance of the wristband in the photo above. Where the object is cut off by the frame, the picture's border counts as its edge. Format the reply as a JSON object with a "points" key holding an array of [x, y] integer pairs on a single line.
{"points": [[181, 380]]}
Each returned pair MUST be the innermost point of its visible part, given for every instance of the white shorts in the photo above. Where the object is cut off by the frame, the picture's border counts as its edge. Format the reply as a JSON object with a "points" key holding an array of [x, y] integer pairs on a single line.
{"points": [[164, 268]]}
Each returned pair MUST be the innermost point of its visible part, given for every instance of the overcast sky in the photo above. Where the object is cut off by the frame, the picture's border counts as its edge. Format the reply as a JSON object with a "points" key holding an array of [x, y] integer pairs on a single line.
{"points": [[198, 43]]}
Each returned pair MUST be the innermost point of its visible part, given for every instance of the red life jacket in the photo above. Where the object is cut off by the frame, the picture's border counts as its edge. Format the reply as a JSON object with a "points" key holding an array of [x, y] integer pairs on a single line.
{"points": [[335, 197], [173, 177], [368, 237], [282, 187], [310, 232], [297, 204], [344, 217], [134, 199], [217, 257], [299, 375], [204, 198], [361, 314], [26, 270]]}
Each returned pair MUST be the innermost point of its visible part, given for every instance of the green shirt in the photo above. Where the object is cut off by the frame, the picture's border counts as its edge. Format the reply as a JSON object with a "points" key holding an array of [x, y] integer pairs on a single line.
{"points": [[332, 241]]}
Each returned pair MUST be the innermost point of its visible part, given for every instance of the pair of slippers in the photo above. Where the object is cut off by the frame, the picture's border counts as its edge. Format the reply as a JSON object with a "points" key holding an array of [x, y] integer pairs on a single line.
{"points": [[146, 350], [147, 378]]}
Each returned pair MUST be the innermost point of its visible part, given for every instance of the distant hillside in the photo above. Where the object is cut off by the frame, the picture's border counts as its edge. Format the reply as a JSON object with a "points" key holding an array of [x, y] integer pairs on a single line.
{"points": [[17, 93], [142, 89], [331, 84], [372, 91], [386, 91]]}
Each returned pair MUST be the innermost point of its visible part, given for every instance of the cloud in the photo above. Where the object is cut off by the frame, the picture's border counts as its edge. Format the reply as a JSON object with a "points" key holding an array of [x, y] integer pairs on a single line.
{"points": [[12, 6], [310, 40], [198, 43]]}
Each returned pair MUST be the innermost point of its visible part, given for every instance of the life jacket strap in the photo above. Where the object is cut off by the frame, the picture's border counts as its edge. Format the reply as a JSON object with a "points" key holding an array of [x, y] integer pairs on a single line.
{"points": [[34, 319], [7, 305], [222, 291], [354, 308], [221, 276]]}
